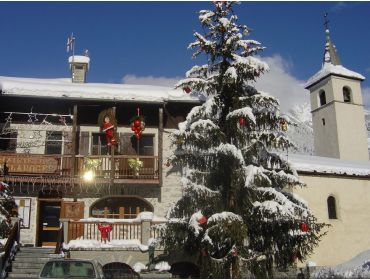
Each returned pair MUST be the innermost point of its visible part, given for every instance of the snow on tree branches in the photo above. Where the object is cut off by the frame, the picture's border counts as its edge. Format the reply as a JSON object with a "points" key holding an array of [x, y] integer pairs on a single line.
{"points": [[235, 180]]}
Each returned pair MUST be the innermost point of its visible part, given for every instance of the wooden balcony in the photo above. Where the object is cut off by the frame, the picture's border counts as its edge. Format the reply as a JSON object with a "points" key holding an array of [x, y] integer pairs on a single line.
{"points": [[112, 168]]}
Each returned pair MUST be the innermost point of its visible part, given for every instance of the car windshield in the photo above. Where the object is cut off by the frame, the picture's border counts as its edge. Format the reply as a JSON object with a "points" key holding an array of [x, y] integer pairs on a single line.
{"points": [[68, 269]]}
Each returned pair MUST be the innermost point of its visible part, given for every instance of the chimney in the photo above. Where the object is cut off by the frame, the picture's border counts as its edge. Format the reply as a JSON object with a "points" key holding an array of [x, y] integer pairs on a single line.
{"points": [[79, 65]]}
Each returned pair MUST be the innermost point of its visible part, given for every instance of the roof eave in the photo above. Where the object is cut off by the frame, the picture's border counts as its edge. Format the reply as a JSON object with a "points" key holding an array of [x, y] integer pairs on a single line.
{"points": [[331, 74]]}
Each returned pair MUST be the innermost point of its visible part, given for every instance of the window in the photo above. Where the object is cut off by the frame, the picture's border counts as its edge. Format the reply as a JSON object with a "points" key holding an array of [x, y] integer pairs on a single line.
{"points": [[99, 144], [53, 143], [119, 207], [322, 97], [332, 211], [24, 211], [130, 146], [8, 142], [346, 94], [323, 121]]}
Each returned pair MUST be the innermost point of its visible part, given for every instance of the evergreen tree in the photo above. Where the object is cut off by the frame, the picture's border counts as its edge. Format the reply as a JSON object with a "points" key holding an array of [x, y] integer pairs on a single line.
{"points": [[7, 207], [236, 207]]}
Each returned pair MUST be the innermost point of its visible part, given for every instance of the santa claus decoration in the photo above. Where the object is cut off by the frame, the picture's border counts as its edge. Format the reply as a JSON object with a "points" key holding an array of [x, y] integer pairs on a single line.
{"points": [[105, 229], [108, 128]]}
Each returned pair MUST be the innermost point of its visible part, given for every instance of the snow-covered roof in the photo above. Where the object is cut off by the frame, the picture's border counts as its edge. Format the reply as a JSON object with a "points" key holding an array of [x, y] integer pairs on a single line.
{"points": [[331, 69], [79, 59], [64, 88], [315, 164]]}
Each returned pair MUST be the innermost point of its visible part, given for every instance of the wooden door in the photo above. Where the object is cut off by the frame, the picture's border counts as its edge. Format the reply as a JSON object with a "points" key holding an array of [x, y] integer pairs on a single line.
{"points": [[48, 226]]}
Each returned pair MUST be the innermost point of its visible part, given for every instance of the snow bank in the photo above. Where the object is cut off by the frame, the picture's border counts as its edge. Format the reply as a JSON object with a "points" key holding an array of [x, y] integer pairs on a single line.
{"points": [[329, 165], [358, 267], [162, 266], [138, 267], [328, 69], [64, 88]]}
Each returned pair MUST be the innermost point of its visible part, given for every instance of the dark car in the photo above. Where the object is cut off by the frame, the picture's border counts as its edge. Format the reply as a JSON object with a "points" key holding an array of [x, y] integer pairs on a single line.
{"points": [[72, 268]]}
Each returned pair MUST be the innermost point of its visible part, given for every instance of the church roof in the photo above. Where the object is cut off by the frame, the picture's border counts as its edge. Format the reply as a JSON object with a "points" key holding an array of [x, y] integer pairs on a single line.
{"points": [[64, 88], [315, 164], [331, 65]]}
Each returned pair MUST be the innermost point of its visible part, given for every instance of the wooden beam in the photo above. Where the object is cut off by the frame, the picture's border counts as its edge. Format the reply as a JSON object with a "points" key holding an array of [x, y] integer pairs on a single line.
{"points": [[74, 137], [160, 147], [112, 150]]}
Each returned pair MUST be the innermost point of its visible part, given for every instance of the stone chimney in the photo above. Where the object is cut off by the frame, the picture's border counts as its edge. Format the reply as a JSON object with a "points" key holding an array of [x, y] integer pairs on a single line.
{"points": [[79, 65]]}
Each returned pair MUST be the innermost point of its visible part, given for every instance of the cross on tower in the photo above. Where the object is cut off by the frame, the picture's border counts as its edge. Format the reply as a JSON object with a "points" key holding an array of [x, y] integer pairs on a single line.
{"points": [[326, 21]]}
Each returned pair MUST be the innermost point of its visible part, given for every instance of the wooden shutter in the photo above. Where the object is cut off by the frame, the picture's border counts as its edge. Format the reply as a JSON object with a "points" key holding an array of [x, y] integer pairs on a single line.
{"points": [[84, 143]]}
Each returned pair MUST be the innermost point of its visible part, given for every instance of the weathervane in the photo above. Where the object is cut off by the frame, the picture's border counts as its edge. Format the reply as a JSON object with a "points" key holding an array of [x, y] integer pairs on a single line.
{"points": [[326, 22]]}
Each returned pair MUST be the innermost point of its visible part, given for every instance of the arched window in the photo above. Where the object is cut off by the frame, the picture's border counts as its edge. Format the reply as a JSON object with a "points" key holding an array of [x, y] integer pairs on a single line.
{"points": [[119, 207], [322, 97], [332, 209], [347, 95]]}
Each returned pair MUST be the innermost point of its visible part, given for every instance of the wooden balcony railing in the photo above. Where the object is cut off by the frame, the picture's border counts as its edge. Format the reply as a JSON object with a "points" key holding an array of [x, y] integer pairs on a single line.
{"points": [[61, 165], [121, 230]]}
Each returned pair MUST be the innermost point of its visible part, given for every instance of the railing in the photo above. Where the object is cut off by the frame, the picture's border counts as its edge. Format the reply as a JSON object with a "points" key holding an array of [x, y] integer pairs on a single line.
{"points": [[121, 230], [10, 248], [89, 230], [61, 165]]}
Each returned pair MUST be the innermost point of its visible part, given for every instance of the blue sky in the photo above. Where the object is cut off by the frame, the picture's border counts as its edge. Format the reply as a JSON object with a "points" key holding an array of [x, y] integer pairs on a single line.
{"points": [[140, 39]]}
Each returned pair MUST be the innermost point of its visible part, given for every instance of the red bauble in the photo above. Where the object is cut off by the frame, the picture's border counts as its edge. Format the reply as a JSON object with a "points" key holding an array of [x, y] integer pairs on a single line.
{"points": [[187, 89], [222, 29], [234, 252], [242, 121], [202, 220], [137, 123], [2, 187], [304, 227], [204, 252], [133, 128]]}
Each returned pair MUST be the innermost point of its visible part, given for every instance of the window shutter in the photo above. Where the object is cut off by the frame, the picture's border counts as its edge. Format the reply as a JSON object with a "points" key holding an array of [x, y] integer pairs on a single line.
{"points": [[84, 143]]}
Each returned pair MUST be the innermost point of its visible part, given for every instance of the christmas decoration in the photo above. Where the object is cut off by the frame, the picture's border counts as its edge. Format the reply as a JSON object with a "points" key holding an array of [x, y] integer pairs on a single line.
{"points": [[188, 89], [202, 220], [135, 165], [138, 124], [168, 163], [242, 121], [108, 128], [105, 229], [304, 227], [284, 125], [231, 175]]}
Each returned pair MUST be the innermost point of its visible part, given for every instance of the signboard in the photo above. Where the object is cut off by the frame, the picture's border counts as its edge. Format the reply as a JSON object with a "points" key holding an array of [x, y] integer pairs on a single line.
{"points": [[29, 164], [72, 210]]}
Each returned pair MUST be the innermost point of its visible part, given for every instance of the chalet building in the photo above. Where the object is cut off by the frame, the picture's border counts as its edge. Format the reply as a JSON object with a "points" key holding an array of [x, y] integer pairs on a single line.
{"points": [[51, 136]]}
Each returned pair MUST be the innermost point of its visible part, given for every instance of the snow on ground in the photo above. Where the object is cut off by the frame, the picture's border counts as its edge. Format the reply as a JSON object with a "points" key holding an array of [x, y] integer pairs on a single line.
{"points": [[329, 165], [358, 267], [64, 88], [138, 267], [162, 266], [328, 69]]}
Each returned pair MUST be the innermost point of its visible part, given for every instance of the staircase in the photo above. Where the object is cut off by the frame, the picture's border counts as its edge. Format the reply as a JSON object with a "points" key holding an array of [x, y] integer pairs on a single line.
{"points": [[28, 262]]}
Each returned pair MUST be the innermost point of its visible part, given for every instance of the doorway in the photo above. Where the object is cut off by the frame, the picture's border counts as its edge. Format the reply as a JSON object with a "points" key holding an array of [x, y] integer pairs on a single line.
{"points": [[48, 221]]}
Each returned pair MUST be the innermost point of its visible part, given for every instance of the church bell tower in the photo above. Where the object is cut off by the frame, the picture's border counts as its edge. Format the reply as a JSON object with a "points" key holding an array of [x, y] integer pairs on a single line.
{"points": [[337, 108]]}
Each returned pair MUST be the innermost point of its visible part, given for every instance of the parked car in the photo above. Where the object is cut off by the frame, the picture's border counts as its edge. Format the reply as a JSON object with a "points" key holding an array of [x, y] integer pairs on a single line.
{"points": [[72, 268]]}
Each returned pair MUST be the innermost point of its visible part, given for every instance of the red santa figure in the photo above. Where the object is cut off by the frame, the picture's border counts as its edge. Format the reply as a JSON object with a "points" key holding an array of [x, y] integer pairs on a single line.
{"points": [[108, 128], [105, 229]]}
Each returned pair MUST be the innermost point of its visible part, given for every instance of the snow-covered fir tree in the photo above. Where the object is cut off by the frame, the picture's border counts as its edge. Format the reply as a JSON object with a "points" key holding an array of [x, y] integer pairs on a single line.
{"points": [[7, 209], [236, 207]]}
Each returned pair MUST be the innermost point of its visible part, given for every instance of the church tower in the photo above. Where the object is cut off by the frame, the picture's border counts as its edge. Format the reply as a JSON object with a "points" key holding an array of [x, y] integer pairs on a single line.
{"points": [[337, 109]]}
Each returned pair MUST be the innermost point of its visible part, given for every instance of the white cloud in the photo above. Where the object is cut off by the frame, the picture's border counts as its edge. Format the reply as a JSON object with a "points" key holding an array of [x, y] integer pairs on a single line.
{"points": [[278, 81], [150, 80], [366, 97]]}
